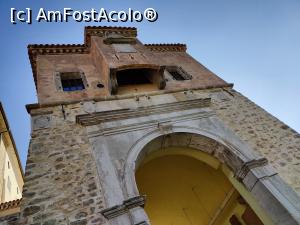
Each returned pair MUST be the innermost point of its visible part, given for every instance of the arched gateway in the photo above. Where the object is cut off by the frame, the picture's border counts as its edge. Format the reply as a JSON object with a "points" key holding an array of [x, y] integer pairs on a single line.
{"points": [[191, 176], [184, 186]]}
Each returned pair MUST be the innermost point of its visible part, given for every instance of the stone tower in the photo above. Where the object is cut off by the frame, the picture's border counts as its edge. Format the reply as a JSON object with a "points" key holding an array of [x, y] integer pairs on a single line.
{"points": [[126, 133]]}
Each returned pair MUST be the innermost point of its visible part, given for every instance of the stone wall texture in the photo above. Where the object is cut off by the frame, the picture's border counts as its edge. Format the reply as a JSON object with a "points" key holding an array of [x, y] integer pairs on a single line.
{"points": [[266, 134], [61, 184], [10, 219]]}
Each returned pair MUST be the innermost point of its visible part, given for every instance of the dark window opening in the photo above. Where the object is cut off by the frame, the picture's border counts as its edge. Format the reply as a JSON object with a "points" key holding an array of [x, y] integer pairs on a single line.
{"points": [[99, 85], [72, 81], [134, 76], [8, 184], [178, 73], [136, 80], [72, 85]]}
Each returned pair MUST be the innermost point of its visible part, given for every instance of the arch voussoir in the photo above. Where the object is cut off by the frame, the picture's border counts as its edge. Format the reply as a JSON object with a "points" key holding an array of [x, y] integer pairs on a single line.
{"points": [[253, 172]]}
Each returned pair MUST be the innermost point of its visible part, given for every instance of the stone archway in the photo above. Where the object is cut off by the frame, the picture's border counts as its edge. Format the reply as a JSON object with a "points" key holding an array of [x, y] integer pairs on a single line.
{"points": [[251, 172], [234, 153], [186, 186]]}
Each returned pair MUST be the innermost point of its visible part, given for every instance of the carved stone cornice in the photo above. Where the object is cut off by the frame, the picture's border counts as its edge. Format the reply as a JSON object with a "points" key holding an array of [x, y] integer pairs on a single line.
{"points": [[164, 125], [119, 40], [142, 223], [35, 50], [106, 31], [167, 47], [112, 212], [135, 202], [10, 205], [119, 114], [247, 166]]}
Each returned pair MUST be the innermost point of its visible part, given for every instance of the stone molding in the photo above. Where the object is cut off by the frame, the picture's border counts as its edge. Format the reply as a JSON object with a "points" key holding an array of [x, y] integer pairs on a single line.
{"points": [[242, 167], [115, 211], [120, 114], [166, 47], [142, 223], [11, 204], [163, 125], [107, 31], [247, 166], [37, 106], [135, 202], [119, 40]]}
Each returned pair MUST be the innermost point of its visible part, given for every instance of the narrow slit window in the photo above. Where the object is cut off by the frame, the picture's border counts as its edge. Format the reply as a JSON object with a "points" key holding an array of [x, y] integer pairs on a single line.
{"points": [[72, 81], [8, 184]]}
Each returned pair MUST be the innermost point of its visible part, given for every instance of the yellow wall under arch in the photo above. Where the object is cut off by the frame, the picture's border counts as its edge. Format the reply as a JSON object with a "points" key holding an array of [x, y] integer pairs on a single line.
{"points": [[185, 186]]}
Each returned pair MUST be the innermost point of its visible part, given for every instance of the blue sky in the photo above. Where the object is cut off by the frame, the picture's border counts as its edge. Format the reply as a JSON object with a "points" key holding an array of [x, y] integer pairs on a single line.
{"points": [[252, 43]]}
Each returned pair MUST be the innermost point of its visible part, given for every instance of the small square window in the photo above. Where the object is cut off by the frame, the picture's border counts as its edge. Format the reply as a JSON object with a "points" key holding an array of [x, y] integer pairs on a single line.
{"points": [[177, 73], [71, 81]]}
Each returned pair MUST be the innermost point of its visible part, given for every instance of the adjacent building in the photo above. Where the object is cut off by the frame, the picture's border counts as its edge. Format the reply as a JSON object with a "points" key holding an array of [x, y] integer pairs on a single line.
{"points": [[11, 174], [126, 133]]}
